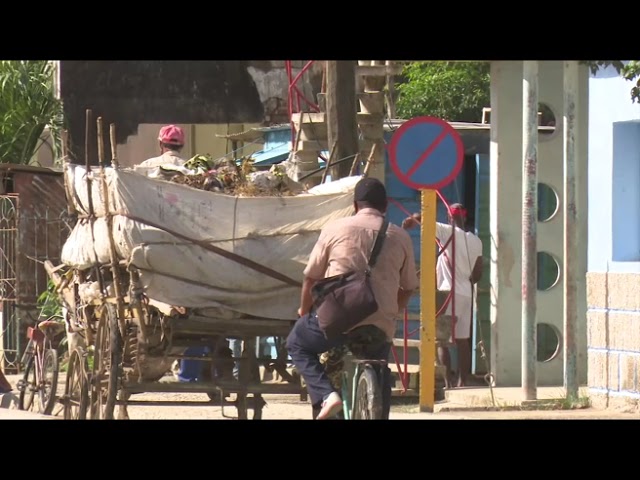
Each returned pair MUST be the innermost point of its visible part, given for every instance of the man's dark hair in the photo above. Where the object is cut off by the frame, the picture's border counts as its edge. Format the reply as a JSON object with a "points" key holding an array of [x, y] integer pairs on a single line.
{"points": [[172, 146], [370, 192]]}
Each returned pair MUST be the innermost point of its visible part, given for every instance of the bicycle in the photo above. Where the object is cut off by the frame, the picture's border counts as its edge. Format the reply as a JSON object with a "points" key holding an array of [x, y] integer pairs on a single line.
{"points": [[360, 380], [362, 384], [40, 381]]}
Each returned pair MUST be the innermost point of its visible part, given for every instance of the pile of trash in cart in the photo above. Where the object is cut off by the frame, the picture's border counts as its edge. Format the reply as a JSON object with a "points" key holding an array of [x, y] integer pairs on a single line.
{"points": [[230, 177]]}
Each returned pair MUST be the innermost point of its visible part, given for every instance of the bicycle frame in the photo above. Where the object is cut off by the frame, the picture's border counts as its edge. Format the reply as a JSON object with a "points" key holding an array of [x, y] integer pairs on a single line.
{"points": [[350, 375], [40, 342]]}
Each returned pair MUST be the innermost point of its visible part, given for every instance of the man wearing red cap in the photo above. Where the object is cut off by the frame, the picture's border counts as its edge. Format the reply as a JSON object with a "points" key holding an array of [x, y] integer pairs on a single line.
{"points": [[468, 271], [171, 141]]}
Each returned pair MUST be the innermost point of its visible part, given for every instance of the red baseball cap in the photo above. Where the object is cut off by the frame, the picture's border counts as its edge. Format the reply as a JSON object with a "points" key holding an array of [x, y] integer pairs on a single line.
{"points": [[172, 135]]}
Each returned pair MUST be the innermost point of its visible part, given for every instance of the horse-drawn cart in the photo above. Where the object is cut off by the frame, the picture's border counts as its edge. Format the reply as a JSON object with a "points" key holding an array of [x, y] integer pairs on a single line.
{"points": [[153, 268]]}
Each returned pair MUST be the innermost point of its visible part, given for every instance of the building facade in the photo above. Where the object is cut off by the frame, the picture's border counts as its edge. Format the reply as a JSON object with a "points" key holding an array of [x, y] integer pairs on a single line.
{"points": [[613, 278]]}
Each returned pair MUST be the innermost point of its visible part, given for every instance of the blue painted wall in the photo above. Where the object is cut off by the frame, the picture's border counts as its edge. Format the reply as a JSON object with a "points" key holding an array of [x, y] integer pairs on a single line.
{"points": [[614, 160]]}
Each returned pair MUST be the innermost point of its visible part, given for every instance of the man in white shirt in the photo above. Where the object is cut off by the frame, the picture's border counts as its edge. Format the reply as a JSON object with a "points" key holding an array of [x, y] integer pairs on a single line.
{"points": [[468, 271], [171, 142]]}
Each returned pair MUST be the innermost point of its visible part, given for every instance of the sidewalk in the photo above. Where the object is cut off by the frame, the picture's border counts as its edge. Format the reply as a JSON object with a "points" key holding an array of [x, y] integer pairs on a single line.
{"points": [[9, 411], [475, 403]]}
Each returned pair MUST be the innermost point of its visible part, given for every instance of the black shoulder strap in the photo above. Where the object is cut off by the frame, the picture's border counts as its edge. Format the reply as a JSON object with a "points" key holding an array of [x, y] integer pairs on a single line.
{"points": [[379, 241]]}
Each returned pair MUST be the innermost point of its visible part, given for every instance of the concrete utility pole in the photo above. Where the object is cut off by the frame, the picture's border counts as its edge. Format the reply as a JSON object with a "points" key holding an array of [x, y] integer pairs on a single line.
{"points": [[570, 249], [529, 225], [342, 126]]}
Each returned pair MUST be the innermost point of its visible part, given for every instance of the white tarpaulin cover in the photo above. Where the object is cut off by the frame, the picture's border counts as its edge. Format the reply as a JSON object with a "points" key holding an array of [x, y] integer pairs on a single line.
{"points": [[277, 232]]}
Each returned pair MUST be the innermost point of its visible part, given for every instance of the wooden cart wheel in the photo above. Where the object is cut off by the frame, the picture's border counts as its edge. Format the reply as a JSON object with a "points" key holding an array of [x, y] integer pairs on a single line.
{"points": [[107, 365], [76, 391]]}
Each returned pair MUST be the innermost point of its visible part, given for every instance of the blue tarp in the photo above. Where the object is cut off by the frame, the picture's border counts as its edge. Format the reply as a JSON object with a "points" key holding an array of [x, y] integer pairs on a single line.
{"points": [[276, 155], [272, 155]]}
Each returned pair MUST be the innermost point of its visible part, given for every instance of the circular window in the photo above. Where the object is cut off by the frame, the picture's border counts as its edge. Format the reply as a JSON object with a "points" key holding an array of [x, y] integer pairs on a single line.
{"points": [[547, 342], [546, 121], [548, 271], [547, 202]]}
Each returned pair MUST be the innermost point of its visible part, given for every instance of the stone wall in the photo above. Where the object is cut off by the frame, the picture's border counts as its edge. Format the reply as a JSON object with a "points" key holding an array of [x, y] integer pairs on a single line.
{"points": [[132, 93]]}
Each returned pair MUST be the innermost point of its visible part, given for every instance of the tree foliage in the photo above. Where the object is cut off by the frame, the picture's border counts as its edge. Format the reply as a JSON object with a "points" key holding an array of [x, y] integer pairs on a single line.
{"points": [[27, 106], [629, 70], [453, 91]]}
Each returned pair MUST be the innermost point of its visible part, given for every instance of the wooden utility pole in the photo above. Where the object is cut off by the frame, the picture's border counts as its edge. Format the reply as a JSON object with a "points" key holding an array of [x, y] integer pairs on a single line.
{"points": [[342, 126]]}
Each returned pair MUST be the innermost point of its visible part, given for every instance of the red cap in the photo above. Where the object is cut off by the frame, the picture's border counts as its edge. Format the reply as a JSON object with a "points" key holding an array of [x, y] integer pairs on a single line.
{"points": [[172, 135]]}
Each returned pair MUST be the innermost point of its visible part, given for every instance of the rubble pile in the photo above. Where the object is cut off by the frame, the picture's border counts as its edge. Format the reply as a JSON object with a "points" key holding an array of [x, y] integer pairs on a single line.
{"points": [[225, 176]]}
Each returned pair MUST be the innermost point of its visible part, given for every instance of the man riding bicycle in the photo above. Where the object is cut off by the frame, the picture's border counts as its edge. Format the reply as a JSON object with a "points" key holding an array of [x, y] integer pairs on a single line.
{"points": [[345, 245]]}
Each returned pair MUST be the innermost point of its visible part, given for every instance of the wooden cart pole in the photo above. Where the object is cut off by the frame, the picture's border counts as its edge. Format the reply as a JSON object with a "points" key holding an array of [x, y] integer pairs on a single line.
{"points": [[65, 165], [91, 212], [371, 160], [427, 301], [114, 146], [109, 219], [88, 165], [332, 154]]}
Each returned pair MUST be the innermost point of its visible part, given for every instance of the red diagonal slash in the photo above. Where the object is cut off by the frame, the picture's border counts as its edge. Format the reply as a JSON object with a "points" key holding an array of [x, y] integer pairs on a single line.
{"points": [[427, 152]]}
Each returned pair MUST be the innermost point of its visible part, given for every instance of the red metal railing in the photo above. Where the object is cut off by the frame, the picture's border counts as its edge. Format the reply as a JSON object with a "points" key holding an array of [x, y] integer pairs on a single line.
{"points": [[296, 95]]}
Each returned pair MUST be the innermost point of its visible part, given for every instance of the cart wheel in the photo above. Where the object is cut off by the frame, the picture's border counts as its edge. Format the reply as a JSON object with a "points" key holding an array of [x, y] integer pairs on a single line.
{"points": [[107, 365], [77, 387]]}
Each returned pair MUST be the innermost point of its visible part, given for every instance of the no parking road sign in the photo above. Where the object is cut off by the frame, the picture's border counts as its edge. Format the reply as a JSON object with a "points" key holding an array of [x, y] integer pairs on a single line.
{"points": [[426, 153]]}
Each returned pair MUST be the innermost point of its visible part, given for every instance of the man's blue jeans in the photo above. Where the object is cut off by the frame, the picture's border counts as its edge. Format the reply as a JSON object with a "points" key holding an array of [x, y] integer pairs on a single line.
{"points": [[306, 342]]}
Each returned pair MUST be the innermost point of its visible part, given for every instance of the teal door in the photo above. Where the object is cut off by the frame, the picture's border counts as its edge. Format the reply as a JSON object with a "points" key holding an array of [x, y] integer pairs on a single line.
{"points": [[482, 312]]}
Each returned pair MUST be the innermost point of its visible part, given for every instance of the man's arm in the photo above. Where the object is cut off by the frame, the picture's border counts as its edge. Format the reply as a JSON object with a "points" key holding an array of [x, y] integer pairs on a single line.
{"points": [[412, 221], [306, 301], [442, 229], [315, 269], [403, 298], [476, 273], [408, 275]]}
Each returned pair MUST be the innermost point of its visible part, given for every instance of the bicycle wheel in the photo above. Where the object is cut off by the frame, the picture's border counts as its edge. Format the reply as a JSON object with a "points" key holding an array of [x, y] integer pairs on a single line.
{"points": [[368, 398], [77, 390], [49, 383], [28, 387]]}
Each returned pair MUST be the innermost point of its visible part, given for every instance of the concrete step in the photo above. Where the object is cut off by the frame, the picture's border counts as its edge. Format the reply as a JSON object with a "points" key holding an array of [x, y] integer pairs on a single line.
{"points": [[399, 342], [308, 117], [370, 118], [316, 145], [371, 102], [505, 397], [378, 70]]}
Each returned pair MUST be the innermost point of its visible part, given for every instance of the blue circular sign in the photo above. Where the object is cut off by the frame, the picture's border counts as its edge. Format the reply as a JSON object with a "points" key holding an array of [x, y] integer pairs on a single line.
{"points": [[426, 152]]}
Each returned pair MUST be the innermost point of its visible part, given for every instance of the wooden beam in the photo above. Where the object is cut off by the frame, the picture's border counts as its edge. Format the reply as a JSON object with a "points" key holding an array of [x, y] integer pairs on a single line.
{"points": [[342, 127]]}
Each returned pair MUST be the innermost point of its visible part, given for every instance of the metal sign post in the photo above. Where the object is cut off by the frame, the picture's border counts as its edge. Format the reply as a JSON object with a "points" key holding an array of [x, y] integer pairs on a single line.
{"points": [[426, 153]]}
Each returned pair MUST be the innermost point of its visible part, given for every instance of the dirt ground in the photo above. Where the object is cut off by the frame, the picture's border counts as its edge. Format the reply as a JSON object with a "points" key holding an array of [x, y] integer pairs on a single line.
{"points": [[289, 407]]}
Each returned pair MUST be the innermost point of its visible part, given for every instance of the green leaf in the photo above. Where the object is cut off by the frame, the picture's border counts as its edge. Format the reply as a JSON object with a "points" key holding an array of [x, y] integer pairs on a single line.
{"points": [[27, 106]]}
